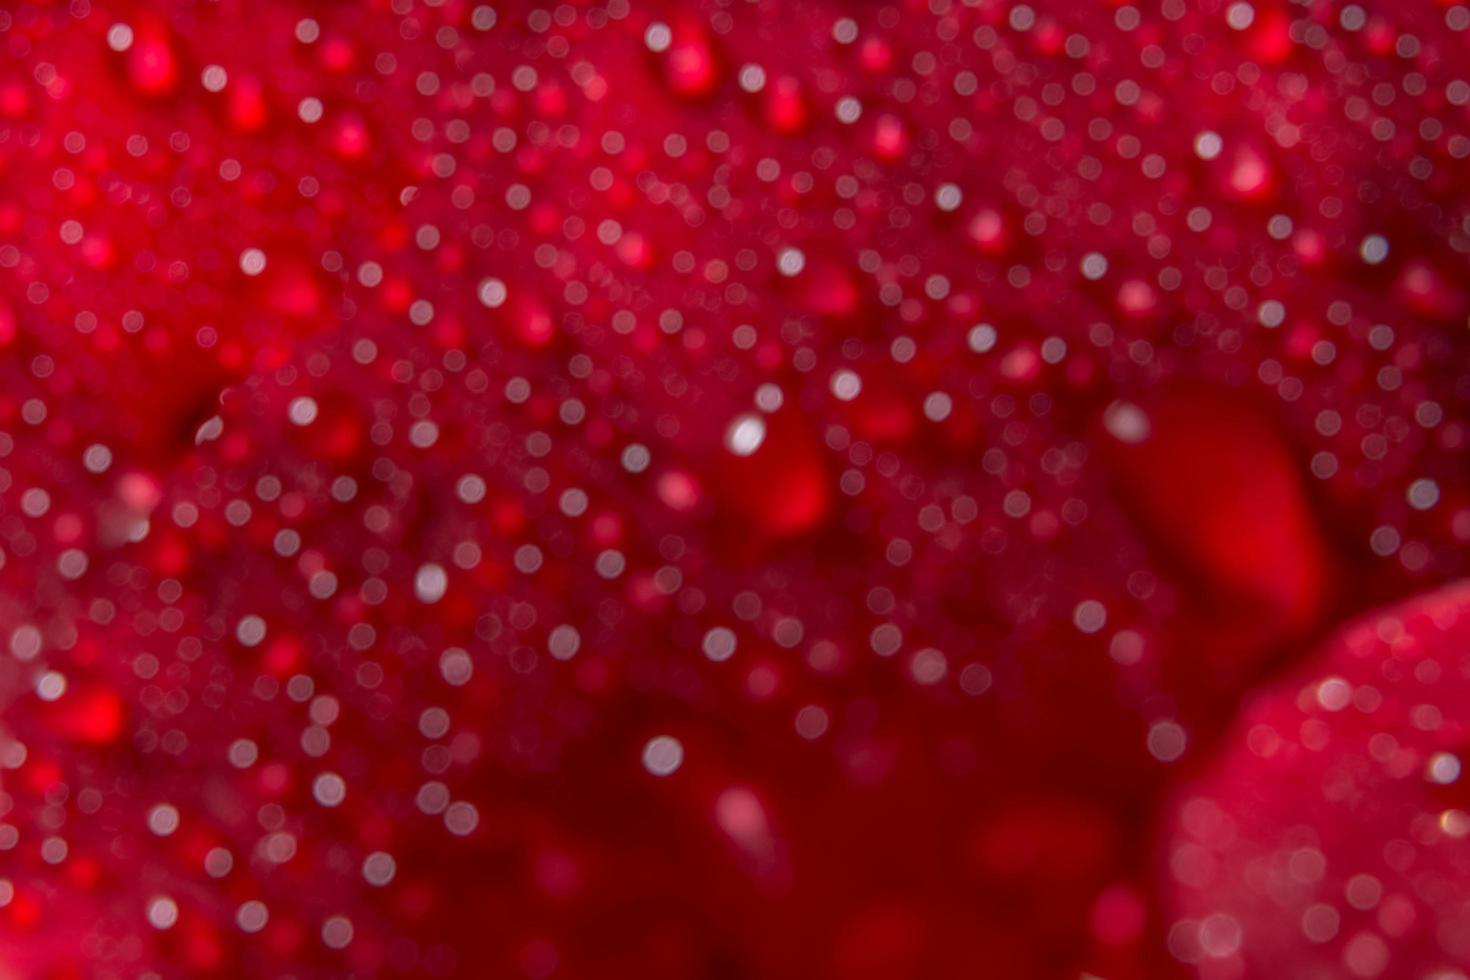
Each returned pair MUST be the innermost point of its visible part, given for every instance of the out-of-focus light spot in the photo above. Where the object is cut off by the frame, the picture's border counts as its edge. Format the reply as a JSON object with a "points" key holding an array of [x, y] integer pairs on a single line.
{"points": [[492, 292], [812, 722], [845, 385], [250, 630], [745, 434], [163, 912], [1334, 694], [564, 642], [981, 338], [1089, 616], [938, 406], [1127, 423], [430, 583], [379, 868], [1423, 494], [719, 643], [636, 457], [337, 932], [252, 261], [119, 37], [329, 789], [163, 820], [658, 37], [1166, 741], [252, 916], [1374, 249], [302, 411], [663, 755], [1240, 16], [1443, 768], [1208, 144], [791, 261], [928, 666]]}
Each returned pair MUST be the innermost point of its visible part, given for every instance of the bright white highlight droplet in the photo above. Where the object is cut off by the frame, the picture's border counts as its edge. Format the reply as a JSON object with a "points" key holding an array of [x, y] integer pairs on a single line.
{"points": [[163, 912], [1443, 768], [1240, 16], [1127, 422], [1094, 266], [938, 406], [252, 916], [163, 819], [663, 755], [791, 261], [981, 338], [492, 292], [243, 752], [212, 428], [119, 37], [97, 458], [1423, 494], [302, 411], [378, 868], [846, 385], [456, 667], [309, 110], [719, 644], [1271, 313], [461, 818], [370, 274], [423, 434], [1334, 694], [471, 488], [658, 37], [337, 932], [745, 434], [1090, 616], [50, 686], [430, 582], [250, 630], [329, 789], [928, 666], [752, 78], [1208, 144], [252, 261], [636, 458], [1374, 249], [564, 642]]}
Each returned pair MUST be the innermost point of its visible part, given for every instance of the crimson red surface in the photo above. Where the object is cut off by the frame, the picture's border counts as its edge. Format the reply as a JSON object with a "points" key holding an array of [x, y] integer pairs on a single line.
{"points": [[734, 489]]}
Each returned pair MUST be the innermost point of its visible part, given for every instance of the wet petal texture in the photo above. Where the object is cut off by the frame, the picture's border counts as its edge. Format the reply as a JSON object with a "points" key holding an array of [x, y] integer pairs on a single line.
{"points": [[1330, 837], [712, 489]]}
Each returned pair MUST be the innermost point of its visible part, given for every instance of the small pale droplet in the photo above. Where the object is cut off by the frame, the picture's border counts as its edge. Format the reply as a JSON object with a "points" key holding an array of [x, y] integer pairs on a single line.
{"points": [[663, 755], [430, 583], [252, 261], [745, 434]]}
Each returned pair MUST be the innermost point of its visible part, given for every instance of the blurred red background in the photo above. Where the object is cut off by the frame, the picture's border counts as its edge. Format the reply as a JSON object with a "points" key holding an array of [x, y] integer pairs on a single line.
{"points": [[734, 489]]}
